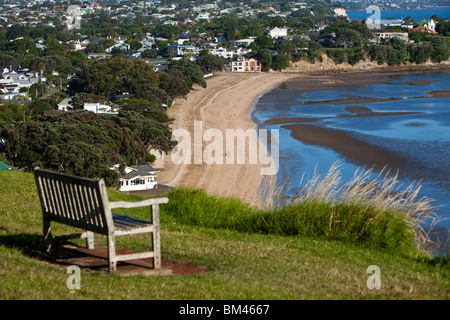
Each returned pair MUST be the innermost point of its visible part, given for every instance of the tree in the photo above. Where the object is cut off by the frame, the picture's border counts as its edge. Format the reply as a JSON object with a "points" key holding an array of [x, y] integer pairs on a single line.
{"points": [[118, 74], [420, 52], [149, 54], [285, 47], [280, 62], [228, 23], [263, 41], [210, 63], [172, 81], [440, 51], [135, 44], [346, 37], [191, 71], [265, 57]]}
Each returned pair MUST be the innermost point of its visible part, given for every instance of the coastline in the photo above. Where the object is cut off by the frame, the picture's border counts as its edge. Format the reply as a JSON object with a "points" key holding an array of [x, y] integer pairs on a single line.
{"points": [[226, 103]]}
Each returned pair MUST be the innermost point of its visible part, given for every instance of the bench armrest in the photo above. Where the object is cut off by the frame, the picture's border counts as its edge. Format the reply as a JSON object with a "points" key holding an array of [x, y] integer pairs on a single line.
{"points": [[141, 203]]}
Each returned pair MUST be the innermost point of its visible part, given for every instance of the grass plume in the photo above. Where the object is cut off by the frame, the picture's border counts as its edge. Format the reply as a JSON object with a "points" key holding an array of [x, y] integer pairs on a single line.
{"points": [[374, 211]]}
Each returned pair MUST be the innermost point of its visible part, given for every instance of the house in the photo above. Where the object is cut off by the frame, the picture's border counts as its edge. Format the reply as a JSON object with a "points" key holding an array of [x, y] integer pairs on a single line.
{"points": [[243, 64], [278, 32], [177, 50], [138, 178], [4, 166], [65, 104], [407, 24], [378, 37], [243, 42], [99, 108], [123, 46], [424, 29], [228, 53]]}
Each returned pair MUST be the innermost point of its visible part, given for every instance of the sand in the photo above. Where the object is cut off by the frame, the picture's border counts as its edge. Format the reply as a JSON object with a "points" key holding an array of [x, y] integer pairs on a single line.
{"points": [[226, 103]]}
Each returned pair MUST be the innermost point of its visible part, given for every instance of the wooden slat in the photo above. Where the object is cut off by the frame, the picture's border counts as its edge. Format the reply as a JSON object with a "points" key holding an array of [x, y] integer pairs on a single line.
{"points": [[83, 203]]}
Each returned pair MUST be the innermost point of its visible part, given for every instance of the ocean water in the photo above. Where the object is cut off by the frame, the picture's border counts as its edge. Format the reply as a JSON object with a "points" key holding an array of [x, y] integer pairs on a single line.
{"points": [[422, 139], [416, 14]]}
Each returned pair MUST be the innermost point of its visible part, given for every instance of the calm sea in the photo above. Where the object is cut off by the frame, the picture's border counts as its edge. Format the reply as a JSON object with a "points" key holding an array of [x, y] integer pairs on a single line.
{"points": [[416, 15], [423, 139]]}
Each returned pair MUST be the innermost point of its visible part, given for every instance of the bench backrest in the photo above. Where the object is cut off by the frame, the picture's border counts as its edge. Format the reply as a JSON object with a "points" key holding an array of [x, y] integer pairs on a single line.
{"points": [[75, 201]]}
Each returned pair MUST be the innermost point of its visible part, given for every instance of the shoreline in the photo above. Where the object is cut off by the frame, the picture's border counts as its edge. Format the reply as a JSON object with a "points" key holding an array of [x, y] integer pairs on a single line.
{"points": [[226, 103]]}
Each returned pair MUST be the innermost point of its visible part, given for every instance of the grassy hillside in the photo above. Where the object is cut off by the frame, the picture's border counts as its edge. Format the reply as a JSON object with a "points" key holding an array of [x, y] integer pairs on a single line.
{"points": [[244, 260]]}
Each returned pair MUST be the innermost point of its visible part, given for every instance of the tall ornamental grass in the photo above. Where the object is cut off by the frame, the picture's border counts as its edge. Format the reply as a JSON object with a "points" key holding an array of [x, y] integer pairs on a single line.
{"points": [[374, 211]]}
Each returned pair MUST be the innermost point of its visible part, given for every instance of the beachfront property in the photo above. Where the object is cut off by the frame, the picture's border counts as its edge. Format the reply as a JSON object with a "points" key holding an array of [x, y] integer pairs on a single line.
{"points": [[228, 53], [138, 178], [379, 37], [242, 64]]}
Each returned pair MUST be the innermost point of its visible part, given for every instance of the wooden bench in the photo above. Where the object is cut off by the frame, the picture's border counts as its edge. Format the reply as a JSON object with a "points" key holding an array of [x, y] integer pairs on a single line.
{"points": [[83, 203]]}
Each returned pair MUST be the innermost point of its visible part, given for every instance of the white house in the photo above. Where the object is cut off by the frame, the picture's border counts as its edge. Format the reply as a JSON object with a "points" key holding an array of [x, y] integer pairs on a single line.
{"points": [[278, 32], [378, 37], [243, 42], [138, 178], [182, 50], [228, 53], [99, 108], [65, 104]]}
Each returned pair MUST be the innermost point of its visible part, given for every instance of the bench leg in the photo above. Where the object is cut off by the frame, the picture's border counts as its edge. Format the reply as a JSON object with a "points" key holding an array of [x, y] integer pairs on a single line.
{"points": [[47, 236], [156, 237], [90, 240], [112, 267]]}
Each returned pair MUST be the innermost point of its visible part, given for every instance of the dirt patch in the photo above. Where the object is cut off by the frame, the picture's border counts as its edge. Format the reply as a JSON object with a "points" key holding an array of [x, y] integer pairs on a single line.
{"points": [[65, 255]]}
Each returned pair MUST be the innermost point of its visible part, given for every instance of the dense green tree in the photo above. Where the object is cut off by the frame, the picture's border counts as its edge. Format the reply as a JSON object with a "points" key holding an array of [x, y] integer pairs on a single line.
{"points": [[420, 52], [116, 75], [265, 57], [285, 47], [280, 62], [264, 42], [210, 63], [228, 23], [192, 72], [172, 82], [440, 51]]}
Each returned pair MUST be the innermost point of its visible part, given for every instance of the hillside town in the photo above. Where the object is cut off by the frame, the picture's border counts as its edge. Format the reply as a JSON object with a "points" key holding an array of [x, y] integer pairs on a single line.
{"points": [[159, 31], [132, 59]]}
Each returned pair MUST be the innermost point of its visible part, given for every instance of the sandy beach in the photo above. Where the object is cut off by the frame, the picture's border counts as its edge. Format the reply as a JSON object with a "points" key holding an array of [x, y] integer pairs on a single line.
{"points": [[226, 103]]}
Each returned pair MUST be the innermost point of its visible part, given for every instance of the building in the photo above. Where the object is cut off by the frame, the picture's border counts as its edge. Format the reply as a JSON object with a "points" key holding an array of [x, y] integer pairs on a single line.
{"points": [[99, 108], [243, 64], [65, 104], [243, 42], [424, 29], [138, 178], [378, 37], [278, 32], [228, 53], [4, 166], [182, 50]]}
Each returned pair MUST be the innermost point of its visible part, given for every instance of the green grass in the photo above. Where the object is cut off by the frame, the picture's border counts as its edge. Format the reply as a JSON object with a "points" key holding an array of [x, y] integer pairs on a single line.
{"points": [[245, 260]]}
